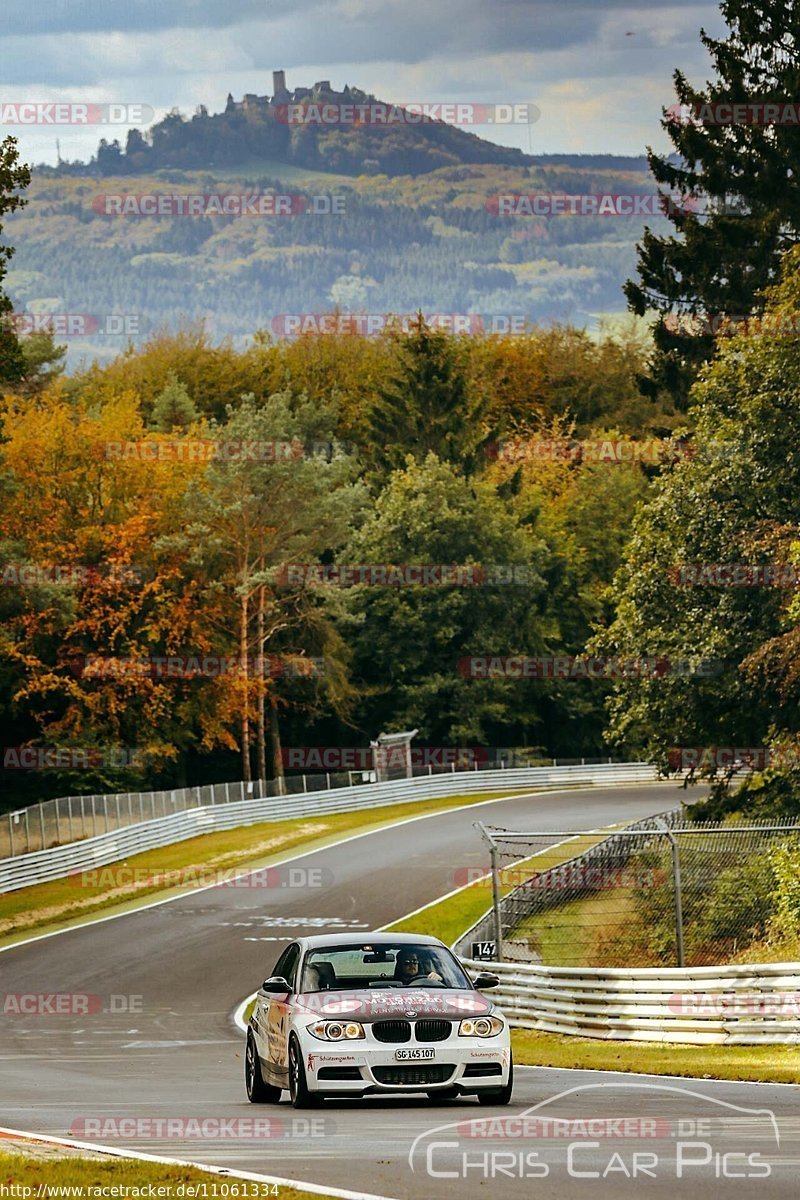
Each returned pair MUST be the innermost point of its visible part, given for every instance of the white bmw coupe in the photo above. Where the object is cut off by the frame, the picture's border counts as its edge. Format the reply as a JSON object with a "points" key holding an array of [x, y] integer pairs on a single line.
{"points": [[342, 1016]]}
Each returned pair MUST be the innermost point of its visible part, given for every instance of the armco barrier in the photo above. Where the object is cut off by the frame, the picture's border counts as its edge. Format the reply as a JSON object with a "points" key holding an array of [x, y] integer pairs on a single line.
{"points": [[44, 865], [736, 1005]]}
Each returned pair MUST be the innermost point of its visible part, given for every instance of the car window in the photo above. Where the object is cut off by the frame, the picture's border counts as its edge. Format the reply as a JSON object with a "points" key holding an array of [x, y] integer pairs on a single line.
{"points": [[286, 966], [357, 966]]}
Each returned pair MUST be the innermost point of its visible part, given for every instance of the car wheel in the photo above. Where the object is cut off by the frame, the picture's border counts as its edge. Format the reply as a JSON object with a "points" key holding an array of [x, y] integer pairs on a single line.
{"points": [[298, 1088], [499, 1095], [258, 1092]]}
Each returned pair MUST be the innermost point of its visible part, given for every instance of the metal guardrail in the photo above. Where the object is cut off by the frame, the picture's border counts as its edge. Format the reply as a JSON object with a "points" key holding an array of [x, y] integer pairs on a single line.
{"points": [[744, 1005], [44, 865], [69, 818]]}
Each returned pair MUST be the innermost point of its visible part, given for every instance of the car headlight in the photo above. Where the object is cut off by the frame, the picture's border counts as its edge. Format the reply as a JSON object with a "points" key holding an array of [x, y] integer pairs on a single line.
{"points": [[336, 1031], [480, 1027]]}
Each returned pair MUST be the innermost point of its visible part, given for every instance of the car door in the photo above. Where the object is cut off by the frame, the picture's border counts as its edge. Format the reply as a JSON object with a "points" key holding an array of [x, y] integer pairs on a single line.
{"points": [[279, 1010]]}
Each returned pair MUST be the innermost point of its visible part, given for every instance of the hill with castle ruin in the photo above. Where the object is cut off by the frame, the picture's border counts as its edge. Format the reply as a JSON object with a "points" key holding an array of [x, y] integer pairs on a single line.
{"points": [[316, 128]]}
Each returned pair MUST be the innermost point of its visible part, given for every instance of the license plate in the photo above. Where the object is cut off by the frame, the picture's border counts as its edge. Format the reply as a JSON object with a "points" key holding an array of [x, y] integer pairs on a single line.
{"points": [[416, 1053]]}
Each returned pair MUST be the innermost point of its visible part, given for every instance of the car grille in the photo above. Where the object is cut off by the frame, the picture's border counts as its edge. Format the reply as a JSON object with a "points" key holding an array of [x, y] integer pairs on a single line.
{"points": [[433, 1031], [392, 1031], [433, 1073]]}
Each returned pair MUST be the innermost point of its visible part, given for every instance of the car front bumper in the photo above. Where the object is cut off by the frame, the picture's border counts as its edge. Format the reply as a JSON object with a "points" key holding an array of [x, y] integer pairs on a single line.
{"points": [[466, 1065]]}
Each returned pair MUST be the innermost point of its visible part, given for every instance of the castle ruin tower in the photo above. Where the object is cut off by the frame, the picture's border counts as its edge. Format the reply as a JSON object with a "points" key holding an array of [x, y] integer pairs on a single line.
{"points": [[279, 89]]}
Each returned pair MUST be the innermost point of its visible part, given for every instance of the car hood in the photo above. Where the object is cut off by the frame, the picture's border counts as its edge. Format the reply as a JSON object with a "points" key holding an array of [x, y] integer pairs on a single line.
{"points": [[377, 1004]]}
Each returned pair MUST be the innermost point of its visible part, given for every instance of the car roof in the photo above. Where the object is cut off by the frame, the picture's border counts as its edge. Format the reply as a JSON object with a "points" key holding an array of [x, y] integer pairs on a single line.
{"points": [[331, 940]]}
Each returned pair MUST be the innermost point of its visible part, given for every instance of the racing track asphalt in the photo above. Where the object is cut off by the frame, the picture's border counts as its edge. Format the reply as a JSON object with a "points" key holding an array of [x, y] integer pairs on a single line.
{"points": [[182, 967]]}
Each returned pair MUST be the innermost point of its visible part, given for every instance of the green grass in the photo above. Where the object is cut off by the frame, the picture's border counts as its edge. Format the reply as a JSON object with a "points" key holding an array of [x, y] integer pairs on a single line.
{"points": [[48, 906], [34, 1168], [566, 936], [767, 1064]]}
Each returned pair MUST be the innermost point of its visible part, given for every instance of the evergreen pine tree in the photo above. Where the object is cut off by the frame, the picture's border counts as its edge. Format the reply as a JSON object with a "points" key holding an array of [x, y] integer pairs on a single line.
{"points": [[745, 172]]}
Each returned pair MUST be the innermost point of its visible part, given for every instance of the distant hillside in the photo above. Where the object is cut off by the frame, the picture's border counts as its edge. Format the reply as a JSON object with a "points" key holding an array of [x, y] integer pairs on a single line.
{"points": [[347, 132], [433, 241]]}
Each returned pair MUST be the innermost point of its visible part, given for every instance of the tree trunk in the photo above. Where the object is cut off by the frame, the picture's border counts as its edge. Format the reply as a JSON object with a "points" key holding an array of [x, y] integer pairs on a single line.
{"points": [[275, 742], [262, 736], [243, 618]]}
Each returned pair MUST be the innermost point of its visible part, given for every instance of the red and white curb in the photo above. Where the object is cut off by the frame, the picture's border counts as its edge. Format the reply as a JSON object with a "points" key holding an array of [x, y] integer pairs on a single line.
{"points": [[229, 1173]]}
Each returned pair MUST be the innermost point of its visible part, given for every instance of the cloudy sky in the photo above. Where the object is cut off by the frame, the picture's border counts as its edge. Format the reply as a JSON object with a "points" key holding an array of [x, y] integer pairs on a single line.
{"points": [[598, 70]]}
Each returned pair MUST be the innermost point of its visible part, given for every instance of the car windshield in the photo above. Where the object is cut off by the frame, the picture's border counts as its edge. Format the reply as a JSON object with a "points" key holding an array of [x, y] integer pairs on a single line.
{"points": [[381, 965]]}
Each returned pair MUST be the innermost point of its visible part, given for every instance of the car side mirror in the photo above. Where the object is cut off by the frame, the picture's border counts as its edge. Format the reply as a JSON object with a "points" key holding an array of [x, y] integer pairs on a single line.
{"points": [[276, 985], [485, 980]]}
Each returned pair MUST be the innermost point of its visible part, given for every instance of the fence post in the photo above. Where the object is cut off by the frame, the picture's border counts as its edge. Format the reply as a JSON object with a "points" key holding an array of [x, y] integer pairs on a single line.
{"points": [[676, 888], [41, 824], [305, 784], [58, 823], [11, 835], [27, 833], [498, 920]]}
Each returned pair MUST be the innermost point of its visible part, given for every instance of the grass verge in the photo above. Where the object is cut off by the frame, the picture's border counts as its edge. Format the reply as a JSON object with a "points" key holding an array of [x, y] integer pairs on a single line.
{"points": [[766, 1064], [125, 885], [34, 1171]]}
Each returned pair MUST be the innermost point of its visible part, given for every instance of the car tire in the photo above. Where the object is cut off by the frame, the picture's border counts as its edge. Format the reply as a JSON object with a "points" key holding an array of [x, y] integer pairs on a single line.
{"points": [[298, 1088], [258, 1092], [499, 1095], [445, 1094]]}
